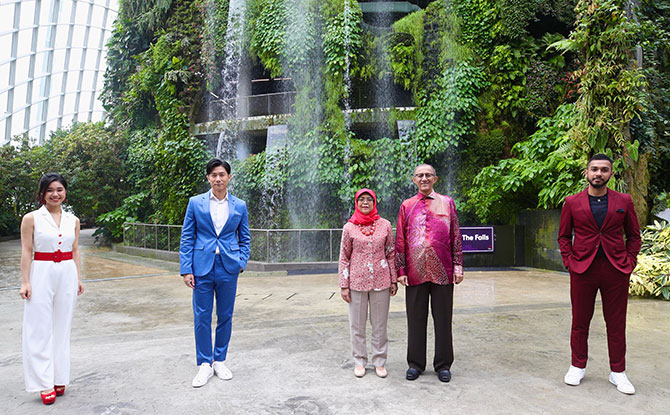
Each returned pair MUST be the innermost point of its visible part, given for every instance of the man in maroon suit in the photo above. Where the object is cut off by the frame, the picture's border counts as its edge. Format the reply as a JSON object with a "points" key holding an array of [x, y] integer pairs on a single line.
{"points": [[598, 259]]}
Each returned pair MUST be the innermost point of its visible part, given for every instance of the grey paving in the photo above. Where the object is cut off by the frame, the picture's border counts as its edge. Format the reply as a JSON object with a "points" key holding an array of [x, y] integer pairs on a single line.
{"points": [[133, 349]]}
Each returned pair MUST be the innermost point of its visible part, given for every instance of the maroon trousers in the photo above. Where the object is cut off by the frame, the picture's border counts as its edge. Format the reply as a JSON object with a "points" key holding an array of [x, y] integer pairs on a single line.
{"points": [[613, 286]]}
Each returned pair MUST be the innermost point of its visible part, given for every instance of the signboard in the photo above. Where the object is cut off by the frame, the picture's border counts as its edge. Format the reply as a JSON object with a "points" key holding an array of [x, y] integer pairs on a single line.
{"points": [[478, 238]]}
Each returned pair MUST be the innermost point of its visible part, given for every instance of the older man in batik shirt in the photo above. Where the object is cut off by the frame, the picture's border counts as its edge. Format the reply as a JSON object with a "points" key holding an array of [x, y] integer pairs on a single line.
{"points": [[429, 259]]}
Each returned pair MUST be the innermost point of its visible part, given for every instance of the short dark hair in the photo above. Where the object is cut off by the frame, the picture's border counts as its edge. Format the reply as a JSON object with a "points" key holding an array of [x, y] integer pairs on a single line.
{"points": [[44, 183], [216, 162], [599, 156]]}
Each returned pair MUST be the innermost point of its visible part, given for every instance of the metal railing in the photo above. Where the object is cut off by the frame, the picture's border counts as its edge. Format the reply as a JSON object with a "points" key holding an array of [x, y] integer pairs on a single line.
{"points": [[260, 104], [152, 236], [267, 245]]}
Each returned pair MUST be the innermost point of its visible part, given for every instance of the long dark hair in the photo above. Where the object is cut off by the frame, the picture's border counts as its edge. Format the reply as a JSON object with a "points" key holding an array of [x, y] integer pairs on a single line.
{"points": [[45, 181]]}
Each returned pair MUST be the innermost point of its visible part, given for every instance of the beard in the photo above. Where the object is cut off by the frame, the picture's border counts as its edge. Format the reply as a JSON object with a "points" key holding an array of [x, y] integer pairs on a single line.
{"points": [[598, 185]]}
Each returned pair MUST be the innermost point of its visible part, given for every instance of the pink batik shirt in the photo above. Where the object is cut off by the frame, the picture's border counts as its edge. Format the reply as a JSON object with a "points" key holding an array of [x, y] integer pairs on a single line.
{"points": [[428, 240], [367, 263]]}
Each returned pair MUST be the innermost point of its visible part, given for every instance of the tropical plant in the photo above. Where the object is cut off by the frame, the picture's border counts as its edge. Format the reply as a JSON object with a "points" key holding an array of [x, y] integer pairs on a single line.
{"points": [[612, 91], [546, 169], [20, 169], [92, 159], [651, 276]]}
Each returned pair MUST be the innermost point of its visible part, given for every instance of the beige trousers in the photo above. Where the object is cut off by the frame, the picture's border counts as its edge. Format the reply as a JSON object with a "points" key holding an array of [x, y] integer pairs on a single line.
{"points": [[378, 304]]}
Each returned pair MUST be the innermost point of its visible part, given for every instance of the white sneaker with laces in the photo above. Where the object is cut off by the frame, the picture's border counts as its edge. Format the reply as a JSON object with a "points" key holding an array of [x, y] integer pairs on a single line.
{"points": [[574, 376], [204, 373], [622, 383], [221, 371]]}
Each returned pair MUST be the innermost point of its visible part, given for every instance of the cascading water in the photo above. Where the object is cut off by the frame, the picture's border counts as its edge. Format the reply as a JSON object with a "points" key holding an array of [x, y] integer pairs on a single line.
{"points": [[272, 196], [347, 64], [347, 99], [230, 74], [282, 203], [302, 61]]}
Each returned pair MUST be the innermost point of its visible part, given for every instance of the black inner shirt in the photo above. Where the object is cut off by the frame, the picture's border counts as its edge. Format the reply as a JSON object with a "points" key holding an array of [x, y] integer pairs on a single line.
{"points": [[599, 211]]}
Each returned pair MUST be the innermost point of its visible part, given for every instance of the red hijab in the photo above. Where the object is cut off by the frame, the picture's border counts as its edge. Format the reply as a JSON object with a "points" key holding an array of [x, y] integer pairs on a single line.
{"points": [[358, 218]]}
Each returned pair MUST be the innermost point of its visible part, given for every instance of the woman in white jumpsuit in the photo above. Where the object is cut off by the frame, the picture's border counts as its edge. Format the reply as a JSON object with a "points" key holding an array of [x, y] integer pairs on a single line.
{"points": [[50, 283]]}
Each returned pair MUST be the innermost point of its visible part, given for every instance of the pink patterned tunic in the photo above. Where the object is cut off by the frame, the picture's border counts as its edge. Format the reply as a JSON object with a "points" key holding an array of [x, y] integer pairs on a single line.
{"points": [[367, 263], [428, 240]]}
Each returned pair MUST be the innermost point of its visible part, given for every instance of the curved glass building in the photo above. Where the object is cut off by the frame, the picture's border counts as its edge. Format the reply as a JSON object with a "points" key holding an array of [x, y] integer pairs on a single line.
{"points": [[52, 65]]}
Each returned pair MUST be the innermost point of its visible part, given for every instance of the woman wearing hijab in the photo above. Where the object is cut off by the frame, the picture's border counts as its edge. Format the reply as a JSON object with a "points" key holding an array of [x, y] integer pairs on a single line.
{"points": [[367, 278]]}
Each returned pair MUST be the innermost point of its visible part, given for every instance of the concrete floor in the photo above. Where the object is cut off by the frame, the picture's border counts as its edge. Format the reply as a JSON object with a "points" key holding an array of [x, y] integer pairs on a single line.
{"points": [[133, 348]]}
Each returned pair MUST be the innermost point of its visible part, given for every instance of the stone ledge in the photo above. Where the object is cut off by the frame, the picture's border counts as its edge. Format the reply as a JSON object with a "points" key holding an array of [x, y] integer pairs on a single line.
{"points": [[255, 266]]}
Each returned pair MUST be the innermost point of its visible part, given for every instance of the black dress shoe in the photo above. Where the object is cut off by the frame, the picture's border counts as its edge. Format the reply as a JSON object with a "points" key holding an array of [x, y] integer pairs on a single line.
{"points": [[412, 373], [444, 375]]}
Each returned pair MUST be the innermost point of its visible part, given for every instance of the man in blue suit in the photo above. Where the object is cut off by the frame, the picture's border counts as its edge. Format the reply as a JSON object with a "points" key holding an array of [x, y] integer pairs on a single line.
{"points": [[214, 249]]}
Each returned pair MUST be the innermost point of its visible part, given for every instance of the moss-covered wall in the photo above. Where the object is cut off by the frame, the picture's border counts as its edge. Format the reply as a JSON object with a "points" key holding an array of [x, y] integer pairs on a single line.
{"points": [[541, 238]]}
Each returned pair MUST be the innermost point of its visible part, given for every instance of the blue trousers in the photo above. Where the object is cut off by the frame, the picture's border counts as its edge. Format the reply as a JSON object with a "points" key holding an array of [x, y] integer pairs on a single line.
{"points": [[222, 285]]}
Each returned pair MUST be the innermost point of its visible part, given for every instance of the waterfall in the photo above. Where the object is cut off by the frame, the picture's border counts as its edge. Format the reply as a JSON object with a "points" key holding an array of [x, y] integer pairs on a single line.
{"points": [[347, 64], [347, 101], [230, 74]]}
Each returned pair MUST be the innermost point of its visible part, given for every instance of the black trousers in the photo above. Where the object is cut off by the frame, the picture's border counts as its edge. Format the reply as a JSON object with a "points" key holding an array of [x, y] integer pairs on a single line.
{"points": [[441, 305]]}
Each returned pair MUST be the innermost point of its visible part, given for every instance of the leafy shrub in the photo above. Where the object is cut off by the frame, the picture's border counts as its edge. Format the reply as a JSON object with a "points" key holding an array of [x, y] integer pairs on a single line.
{"points": [[268, 32], [447, 115], [112, 222], [91, 158], [342, 40], [543, 86], [547, 169], [406, 50], [9, 224], [20, 169], [514, 16], [651, 277]]}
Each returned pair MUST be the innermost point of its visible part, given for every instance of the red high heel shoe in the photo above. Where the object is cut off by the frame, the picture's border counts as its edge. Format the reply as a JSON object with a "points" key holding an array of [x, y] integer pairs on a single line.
{"points": [[60, 390], [48, 398]]}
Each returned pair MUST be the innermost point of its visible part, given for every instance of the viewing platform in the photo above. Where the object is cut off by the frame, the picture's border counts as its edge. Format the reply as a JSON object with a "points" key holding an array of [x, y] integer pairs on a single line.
{"points": [[133, 349]]}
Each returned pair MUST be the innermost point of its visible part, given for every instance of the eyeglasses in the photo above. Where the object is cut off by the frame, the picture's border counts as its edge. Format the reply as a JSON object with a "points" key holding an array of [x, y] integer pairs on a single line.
{"points": [[366, 199], [426, 175]]}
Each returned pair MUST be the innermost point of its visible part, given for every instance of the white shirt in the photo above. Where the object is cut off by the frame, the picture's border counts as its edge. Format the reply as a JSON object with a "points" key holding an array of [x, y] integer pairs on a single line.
{"points": [[219, 211]]}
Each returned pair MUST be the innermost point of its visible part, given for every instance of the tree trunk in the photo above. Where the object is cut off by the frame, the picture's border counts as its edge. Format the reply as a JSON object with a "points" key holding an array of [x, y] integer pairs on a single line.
{"points": [[637, 178]]}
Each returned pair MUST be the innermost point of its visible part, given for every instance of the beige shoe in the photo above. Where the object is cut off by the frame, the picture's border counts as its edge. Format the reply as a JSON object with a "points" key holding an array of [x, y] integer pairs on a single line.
{"points": [[381, 371], [359, 371]]}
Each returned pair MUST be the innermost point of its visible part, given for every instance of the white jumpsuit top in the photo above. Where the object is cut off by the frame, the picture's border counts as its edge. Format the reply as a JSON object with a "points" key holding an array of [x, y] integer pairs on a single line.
{"points": [[47, 316]]}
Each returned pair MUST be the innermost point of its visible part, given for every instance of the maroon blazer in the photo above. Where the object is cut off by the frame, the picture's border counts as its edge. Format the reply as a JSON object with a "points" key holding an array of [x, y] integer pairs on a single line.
{"points": [[621, 218]]}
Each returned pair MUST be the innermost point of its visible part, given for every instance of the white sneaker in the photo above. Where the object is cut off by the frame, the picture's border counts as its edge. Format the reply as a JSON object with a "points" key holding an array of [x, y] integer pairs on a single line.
{"points": [[622, 383], [574, 376], [204, 373], [221, 371]]}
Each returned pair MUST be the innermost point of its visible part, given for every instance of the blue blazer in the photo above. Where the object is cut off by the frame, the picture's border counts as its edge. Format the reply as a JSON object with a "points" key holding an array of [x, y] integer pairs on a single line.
{"points": [[199, 239]]}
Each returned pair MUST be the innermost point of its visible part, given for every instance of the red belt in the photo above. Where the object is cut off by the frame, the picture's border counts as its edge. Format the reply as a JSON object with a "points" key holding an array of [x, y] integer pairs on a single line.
{"points": [[57, 256]]}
